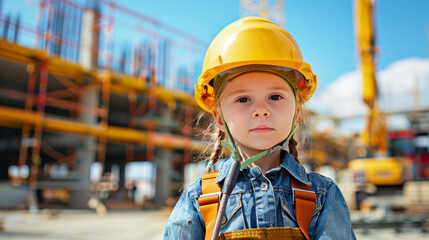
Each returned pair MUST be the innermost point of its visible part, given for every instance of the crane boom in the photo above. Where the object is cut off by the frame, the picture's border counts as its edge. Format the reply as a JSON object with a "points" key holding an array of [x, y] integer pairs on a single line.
{"points": [[374, 136]]}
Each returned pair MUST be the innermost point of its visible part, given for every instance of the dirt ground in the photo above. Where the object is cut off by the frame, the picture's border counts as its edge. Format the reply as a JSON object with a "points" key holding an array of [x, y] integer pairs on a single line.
{"points": [[129, 224]]}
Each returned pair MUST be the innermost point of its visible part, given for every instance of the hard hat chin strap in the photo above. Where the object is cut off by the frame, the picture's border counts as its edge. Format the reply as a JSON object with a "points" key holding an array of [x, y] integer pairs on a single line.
{"points": [[235, 154]]}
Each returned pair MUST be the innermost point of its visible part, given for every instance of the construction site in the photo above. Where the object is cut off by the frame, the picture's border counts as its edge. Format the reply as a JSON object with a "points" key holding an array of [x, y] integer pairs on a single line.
{"points": [[100, 132]]}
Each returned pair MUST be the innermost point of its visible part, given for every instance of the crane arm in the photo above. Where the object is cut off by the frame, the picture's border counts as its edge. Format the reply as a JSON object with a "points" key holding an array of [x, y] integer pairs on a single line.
{"points": [[374, 136]]}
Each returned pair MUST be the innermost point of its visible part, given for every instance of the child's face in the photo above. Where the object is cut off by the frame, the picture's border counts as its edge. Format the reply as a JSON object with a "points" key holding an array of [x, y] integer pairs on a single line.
{"points": [[258, 108]]}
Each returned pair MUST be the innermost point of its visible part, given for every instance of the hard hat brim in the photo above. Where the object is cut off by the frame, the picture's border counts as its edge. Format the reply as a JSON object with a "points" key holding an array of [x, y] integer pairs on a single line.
{"points": [[306, 87]]}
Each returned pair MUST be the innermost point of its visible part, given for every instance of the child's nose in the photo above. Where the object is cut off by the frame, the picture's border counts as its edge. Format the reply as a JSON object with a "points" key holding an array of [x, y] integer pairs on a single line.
{"points": [[261, 113]]}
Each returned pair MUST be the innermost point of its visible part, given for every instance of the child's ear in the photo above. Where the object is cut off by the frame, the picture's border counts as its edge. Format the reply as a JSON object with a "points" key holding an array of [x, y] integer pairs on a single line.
{"points": [[218, 120]]}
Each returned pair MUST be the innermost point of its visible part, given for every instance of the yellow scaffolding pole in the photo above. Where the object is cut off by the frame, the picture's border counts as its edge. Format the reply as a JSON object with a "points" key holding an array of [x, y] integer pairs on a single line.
{"points": [[120, 134]]}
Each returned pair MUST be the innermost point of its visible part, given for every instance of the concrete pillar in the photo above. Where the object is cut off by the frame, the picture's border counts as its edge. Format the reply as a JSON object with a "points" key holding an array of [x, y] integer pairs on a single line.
{"points": [[163, 171], [89, 39], [86, 153], [87, 148]]}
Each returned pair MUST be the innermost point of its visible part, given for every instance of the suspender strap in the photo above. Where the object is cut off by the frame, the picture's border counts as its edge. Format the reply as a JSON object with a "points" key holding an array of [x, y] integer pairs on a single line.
{"points": [[209, 201], [304, 198], [305, 203]]}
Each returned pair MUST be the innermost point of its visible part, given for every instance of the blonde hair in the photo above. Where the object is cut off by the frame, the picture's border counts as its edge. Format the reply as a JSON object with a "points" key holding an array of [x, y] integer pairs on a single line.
{"points": [[214, 150]]}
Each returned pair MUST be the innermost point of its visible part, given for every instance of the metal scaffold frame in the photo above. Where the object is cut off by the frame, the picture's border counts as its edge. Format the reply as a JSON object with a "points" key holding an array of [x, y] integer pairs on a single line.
{"points": [[57, 61]]}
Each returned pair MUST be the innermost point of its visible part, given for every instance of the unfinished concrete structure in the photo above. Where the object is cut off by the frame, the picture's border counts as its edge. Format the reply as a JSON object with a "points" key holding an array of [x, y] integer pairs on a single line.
{"points": [[69, 98]]}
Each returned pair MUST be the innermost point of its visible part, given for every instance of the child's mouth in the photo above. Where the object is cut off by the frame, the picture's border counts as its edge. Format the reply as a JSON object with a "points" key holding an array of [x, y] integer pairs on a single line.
{"points": [[261, 129]]}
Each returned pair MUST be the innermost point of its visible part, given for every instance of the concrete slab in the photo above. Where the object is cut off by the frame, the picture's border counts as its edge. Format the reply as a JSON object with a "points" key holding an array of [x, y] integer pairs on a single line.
{"points": [[67, 224]]}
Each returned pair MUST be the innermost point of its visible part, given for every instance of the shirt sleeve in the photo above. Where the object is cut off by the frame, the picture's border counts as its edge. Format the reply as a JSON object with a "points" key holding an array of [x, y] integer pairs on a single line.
{"points": [[334, 219], [185, 221]]}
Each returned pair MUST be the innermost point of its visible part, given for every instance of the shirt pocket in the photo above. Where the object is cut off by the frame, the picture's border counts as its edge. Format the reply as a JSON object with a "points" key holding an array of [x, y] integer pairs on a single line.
{"points": [[233, 217]]}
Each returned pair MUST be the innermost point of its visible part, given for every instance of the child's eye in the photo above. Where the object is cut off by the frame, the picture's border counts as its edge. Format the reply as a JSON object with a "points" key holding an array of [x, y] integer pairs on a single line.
{"points": [[275, 97], [243, 99]]}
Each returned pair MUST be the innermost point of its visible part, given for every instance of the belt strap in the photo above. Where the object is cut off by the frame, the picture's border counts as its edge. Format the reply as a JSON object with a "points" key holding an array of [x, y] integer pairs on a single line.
{"points": [[279, 233], [209, 201], [305, 203]]}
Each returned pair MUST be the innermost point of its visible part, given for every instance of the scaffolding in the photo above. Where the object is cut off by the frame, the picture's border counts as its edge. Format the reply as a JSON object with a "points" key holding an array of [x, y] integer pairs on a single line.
{"points": [[70, 79]]}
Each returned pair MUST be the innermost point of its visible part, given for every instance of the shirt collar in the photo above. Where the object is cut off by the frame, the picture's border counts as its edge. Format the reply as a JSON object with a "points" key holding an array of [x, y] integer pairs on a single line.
{"points": [[223, 169], [289, 164]]}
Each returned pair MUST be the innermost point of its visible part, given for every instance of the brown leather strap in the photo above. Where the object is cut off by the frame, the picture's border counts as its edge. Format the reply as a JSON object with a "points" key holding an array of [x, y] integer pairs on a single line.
{"points": [[304, 197], [209, 201], [305, 203]]}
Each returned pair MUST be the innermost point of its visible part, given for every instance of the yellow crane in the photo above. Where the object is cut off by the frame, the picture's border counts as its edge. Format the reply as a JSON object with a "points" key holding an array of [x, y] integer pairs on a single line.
{"points": [[377, 167], [374, 136], [385, 172]]}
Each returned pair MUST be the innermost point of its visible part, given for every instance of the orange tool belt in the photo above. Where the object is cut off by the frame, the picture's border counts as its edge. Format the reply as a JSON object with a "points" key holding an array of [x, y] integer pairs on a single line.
{"points": [[304, 198]]}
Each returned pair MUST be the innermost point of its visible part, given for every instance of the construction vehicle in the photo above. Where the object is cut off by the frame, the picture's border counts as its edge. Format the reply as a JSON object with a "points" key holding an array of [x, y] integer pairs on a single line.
{"points": [[402, 163], [388, 161], [381, 170]]}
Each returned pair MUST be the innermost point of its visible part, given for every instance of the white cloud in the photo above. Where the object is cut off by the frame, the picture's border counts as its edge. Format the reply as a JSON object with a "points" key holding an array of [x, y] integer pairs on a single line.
{"points": [[403, 85]]}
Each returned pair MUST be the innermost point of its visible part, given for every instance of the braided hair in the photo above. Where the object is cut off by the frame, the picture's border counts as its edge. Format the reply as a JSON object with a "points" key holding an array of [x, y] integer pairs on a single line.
{"points": [[293, 149], [218, 150]]}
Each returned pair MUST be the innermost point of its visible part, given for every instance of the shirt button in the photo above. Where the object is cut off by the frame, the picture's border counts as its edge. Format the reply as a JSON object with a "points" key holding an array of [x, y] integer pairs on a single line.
{"points": [[264, 186]]}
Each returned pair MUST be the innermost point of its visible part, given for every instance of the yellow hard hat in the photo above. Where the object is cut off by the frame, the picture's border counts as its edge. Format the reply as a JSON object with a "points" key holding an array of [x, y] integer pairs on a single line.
{"points": [[252, 41]]}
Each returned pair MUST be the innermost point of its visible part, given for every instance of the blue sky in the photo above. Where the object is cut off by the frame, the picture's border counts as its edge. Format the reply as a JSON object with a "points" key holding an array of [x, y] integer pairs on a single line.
{"points": [[323, 29]]}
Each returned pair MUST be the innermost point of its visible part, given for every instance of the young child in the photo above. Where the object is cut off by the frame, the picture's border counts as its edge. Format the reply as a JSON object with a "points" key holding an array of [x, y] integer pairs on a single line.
{"points": [[254, 82]]}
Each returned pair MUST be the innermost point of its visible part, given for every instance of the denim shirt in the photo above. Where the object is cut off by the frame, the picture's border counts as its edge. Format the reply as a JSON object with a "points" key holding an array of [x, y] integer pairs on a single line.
{"points": [[263, 201]]}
